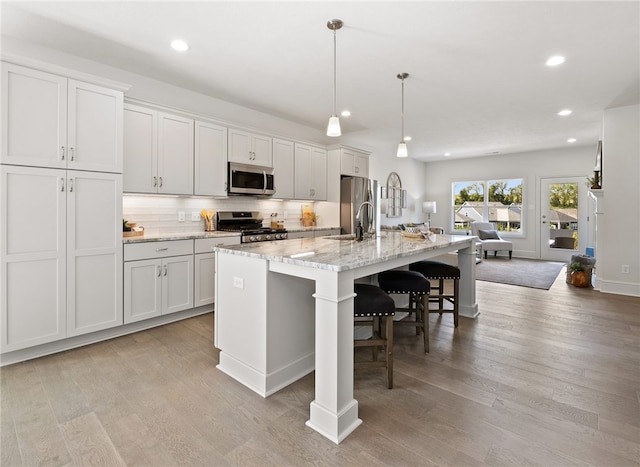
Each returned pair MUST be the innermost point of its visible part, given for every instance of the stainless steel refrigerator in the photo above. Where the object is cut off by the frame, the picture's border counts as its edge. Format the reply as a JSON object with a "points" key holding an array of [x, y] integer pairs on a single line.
{"points": [[353, 192]]}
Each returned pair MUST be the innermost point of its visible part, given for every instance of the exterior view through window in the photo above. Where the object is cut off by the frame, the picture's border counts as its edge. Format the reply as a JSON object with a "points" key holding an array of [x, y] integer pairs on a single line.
{"points": [[497, 201], [563, 215]]}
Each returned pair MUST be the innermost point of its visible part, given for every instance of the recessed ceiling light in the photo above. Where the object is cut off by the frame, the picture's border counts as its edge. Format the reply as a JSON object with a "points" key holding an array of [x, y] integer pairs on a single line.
{"points": [[565, 112], [407, 138], [447, 154], [571, 140], [179, 45], [346, 113], [555, 60]]}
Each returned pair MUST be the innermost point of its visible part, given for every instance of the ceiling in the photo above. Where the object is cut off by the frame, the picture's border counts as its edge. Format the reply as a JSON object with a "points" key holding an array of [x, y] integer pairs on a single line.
{"points": [[478, 82]]}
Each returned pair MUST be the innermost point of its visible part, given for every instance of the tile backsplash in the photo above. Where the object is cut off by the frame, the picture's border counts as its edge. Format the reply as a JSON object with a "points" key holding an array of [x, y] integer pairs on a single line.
{"points": [[159, 214]]}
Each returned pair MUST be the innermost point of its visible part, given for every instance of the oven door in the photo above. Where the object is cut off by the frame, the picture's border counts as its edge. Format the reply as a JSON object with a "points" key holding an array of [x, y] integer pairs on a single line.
{"points": [[250, 180]]}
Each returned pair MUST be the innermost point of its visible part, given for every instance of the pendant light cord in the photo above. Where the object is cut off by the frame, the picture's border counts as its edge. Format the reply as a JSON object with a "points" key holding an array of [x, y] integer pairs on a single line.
{"points": [[335, 81], [402, 135]]}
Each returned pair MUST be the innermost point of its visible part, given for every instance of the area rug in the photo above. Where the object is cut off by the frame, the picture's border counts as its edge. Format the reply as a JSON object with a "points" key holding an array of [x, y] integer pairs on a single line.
{"points": [[523, 272]]}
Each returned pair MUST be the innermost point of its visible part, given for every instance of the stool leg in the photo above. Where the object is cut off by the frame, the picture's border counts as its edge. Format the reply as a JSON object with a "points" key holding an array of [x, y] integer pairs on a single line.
{"points": [[441, 293], [389, 351], [425, 321], [456, 299]]}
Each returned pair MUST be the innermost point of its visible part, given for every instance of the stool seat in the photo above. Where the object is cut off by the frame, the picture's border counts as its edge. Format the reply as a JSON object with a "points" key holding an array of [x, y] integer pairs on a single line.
{"points": [[418, 287], [439, 271], [436, 269], [373, 303]]}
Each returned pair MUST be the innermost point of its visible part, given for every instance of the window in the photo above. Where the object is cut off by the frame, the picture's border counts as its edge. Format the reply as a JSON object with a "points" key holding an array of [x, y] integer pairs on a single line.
{"points": [[500, 203]]}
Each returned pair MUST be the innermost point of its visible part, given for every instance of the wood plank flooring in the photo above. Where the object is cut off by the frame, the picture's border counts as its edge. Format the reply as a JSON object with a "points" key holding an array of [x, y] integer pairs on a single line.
{"points": [[548, 378]]}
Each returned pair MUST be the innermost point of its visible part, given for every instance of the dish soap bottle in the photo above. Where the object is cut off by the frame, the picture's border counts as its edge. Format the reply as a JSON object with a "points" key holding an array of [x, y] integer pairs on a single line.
{"points": [[359, 232]]}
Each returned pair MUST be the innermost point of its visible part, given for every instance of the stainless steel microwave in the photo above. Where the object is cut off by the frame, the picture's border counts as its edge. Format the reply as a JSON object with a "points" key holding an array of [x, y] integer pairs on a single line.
{"points": [[247, 179]]}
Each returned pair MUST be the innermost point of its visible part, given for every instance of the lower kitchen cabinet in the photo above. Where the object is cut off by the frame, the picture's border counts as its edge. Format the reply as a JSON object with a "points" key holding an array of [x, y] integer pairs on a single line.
{"points": [[155, 281], [61, 254], [205, 267]]}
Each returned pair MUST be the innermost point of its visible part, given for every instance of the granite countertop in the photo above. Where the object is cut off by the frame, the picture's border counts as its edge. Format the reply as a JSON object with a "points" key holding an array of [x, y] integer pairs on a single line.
{"points": [[339, 253], [156, 237]]}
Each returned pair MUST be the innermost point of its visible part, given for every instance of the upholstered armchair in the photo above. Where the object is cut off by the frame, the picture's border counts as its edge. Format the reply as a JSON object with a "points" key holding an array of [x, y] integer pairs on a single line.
{"points": [[489, 238]]}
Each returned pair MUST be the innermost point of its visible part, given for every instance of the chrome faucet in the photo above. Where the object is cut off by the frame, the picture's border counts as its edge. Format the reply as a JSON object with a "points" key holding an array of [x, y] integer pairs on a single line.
{"points": [[370, 229]]}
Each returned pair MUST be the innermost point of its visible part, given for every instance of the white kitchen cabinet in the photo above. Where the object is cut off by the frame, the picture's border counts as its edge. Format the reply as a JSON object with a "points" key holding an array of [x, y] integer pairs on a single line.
{"points": [[61, 254], [250, 148], [158, 152], [210, 159], [310, 167], [354, 163], [205, 267], [158, 278], [51, 121], [283, 163]]}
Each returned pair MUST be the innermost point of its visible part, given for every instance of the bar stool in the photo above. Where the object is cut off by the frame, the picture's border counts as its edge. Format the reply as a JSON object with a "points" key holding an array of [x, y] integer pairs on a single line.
{"points": [[373, 303], [412, 283], [439, 271]]}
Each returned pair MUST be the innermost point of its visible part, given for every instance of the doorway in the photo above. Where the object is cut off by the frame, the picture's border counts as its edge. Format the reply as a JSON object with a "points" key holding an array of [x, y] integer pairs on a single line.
{"points": [[563, 221]]}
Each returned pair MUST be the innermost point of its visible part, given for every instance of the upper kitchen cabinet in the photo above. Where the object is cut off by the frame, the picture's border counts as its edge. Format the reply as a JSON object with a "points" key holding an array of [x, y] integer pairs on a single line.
{"points": [[354, 163], [250, 148], [283, 168], [52, 121], [310, 167], [210, 159], [158, 152]]}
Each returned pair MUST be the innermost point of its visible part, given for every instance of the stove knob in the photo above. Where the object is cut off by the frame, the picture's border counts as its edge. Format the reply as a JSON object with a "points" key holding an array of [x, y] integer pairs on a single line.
{"points": [[267, 237], [259, 238], [252, 238], [285, 236], [278, 236]]}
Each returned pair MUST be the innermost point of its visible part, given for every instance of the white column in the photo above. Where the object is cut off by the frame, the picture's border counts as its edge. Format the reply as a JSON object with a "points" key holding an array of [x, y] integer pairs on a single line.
{"points": [[467, 264], [334, 412]]}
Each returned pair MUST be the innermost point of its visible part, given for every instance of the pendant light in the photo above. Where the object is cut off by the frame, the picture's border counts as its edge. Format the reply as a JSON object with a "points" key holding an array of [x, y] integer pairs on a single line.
{"points": [[402, 147], [333, 128]]}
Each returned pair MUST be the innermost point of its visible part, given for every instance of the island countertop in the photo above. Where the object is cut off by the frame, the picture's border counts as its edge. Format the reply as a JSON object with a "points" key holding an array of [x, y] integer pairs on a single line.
{"points": [[335, 253]]}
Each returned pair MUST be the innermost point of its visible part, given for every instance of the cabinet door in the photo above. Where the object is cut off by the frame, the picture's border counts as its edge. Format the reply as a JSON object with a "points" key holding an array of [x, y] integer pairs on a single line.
{"points": [[302, 170], [283, 168], [361, 165], [318, 174], [142, 289], [94, 251], [210, 159], [175, 154], [347, 162], [34, 117], [32, 256], [205, 268], [140, 150], [177, 284], [262, 150], [239, 147], [94, 128]]}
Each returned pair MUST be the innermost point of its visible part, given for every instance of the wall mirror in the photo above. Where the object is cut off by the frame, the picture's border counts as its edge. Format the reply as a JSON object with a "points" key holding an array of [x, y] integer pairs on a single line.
{"points": [[396, 197]]}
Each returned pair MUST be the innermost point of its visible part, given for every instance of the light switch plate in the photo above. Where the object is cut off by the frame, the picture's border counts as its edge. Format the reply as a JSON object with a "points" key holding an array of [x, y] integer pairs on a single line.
{"points": [[195, 216], [181, 216], [238, 282]]}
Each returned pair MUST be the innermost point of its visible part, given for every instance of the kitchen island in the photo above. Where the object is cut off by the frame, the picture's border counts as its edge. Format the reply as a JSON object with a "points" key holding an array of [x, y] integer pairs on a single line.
{"points": [[284, 309]]}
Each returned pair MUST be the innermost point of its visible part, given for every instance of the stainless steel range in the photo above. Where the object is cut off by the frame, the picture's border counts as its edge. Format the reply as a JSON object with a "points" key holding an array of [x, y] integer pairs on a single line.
{"points": [[249, 223]]}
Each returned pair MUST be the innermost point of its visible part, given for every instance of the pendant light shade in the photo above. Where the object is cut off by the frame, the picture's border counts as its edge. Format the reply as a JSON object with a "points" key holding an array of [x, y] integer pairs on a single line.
{"points": [[402, 147], [333, 128]]}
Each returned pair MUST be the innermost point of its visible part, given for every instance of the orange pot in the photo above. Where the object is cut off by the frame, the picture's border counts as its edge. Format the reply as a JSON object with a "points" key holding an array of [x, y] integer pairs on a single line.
{"points": [[580, 279]]}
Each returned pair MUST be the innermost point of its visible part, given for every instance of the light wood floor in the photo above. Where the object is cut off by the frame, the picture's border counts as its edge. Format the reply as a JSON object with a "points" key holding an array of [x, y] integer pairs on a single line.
{"points": [[548, 378]]}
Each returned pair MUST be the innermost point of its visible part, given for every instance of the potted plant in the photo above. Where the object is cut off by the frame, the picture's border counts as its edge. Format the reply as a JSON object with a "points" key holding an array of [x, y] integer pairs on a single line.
{"points": [[579, 277]]}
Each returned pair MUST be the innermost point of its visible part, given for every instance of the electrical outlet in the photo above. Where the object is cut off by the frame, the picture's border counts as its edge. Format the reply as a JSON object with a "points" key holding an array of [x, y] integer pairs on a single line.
{"points": [[181, 216], [195, 217], [238, 282], [625, 269]]}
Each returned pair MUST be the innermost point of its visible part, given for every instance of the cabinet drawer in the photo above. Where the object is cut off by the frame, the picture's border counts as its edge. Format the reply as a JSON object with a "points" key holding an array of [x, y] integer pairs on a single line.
{"points": [[206, 245], [150, 250]]}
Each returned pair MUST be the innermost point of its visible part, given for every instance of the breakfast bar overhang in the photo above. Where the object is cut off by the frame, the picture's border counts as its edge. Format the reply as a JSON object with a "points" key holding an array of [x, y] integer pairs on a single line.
{"points": [[284, 309]]}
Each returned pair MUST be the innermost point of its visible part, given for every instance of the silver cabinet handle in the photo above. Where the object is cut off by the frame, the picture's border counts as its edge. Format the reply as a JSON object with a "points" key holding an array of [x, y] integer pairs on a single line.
{"points": [[162, 249], [165, 270], [71, 185], [160, 182], [159, 271], [61, 153], [72, 154], [61, 183], [155, 182]]}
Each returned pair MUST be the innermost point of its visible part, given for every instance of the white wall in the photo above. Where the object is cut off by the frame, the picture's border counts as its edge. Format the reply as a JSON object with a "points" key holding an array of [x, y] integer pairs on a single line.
{"points": [[530, 166], [619, 229]]}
